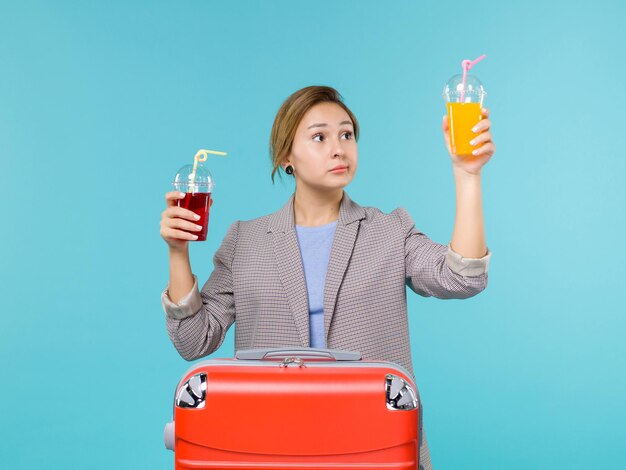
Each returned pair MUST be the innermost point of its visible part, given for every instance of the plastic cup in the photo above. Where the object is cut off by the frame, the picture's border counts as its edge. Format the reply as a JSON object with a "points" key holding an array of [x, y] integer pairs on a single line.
{"points": [[463, 115], [197, 195]]}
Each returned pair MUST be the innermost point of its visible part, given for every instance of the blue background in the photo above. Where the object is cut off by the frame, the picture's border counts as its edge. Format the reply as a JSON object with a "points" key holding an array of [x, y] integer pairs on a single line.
{"points": [[101, 103]]}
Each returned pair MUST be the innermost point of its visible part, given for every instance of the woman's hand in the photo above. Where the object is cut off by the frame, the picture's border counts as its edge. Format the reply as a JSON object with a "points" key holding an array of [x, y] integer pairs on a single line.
{"points": [[484, 146], [177, 222]]}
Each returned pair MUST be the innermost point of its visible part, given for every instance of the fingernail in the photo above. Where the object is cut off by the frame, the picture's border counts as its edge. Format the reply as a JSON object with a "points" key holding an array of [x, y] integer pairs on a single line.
{"points": [[181, 194], [195, 237], [472, 142], [474, 152], [196, 217], [199, 227], [474, 129]]}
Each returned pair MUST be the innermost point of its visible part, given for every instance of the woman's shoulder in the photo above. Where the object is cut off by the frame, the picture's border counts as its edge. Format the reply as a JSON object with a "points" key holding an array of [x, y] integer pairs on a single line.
{"points": [[254, 226], [378, 216]]}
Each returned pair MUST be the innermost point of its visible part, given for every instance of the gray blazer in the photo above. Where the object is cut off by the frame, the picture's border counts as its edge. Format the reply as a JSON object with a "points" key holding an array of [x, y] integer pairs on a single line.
{"points": [[258, 280]]}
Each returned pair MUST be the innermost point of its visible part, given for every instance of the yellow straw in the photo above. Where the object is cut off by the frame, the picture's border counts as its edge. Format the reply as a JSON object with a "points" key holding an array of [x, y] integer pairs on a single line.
{"points": [[201, 156]]}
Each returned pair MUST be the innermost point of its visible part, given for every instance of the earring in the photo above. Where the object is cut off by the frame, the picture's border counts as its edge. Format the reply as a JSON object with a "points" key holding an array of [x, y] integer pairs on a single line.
{"points": [[289, 170]]}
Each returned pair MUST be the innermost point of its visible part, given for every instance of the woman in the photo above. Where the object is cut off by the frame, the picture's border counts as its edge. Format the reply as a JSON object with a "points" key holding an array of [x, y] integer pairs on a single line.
{"points": [[324, 271]]}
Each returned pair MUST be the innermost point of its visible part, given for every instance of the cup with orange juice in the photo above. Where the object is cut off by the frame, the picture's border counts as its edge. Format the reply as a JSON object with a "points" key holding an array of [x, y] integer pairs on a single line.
{"points": [[464, 95]]}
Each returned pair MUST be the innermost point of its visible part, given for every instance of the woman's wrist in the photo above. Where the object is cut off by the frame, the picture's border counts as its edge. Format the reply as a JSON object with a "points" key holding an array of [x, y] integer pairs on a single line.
{"points": [[464, 175], [179, 252]]}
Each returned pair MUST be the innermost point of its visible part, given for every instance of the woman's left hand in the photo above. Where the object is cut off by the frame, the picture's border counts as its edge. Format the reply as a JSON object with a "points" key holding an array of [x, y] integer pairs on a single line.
{"points": [[484, 146]]}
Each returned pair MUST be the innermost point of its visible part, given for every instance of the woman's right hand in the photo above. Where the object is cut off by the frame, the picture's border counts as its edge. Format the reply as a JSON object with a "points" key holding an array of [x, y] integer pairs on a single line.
{"points": [[177, 222]]}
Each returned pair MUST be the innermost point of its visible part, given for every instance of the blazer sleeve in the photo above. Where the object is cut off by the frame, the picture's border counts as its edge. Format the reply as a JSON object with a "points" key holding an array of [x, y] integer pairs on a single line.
{"points": [[432, 269], [198, 324]]}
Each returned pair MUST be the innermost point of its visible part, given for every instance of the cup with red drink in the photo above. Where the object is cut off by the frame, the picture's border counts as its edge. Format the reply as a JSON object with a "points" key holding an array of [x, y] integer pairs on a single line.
{"points": [[196, 182]]}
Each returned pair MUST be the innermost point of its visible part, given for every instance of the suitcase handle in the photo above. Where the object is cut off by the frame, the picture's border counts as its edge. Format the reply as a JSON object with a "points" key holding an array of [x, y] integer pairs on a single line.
{"points": [[308, 353]]}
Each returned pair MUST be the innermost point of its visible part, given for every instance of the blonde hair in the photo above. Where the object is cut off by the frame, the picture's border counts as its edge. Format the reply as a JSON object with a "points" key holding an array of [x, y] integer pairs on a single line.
{"points": [[291, 113]]}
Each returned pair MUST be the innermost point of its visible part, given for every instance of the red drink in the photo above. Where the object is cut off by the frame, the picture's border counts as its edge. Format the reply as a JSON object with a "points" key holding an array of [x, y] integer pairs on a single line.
{"points": [[198, 203]]}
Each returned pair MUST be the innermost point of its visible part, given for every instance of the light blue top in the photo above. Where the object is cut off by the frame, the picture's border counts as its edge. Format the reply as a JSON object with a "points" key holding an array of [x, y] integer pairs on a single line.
{"points": [[315, 244]]}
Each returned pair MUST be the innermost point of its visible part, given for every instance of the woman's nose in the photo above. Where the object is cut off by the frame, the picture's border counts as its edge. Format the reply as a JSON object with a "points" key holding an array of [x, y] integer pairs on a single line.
{"points": [[338, 149]]}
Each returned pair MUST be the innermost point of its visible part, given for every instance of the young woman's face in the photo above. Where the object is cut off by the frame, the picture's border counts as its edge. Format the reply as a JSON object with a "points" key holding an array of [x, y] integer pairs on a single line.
{"points": [[324, 140]]}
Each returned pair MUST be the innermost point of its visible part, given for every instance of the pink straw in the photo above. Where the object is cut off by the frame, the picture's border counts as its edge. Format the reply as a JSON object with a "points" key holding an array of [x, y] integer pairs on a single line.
{"points": [[467, 65]]}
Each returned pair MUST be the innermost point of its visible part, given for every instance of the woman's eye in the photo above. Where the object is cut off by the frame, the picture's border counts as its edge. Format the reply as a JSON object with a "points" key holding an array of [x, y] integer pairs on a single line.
{"points": [[321, 136]]}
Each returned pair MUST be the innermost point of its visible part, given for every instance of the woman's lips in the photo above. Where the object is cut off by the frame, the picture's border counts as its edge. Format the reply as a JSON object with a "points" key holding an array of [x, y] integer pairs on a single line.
{"points": [[339, 170]]}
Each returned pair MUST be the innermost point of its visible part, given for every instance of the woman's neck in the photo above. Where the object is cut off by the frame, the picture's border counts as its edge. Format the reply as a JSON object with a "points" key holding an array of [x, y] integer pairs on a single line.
{"points": [[312, 209]]}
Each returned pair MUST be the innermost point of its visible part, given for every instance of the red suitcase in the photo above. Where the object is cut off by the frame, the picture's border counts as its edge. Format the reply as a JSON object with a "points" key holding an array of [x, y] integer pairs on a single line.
{"points": [[288, 409]]}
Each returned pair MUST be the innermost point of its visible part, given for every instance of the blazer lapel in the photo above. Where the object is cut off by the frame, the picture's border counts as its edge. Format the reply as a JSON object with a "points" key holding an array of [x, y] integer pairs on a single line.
{"points": [[289, 261], [346, 232], [290, 270]]}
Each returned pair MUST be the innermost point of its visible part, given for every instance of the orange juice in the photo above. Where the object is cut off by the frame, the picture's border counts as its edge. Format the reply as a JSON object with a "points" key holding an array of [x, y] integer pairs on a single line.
{"points": [[462, 117]]}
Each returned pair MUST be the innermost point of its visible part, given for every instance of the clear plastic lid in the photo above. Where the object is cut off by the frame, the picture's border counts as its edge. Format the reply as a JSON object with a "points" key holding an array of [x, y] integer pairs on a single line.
{"points": [[186, 182], [474, 90]]}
